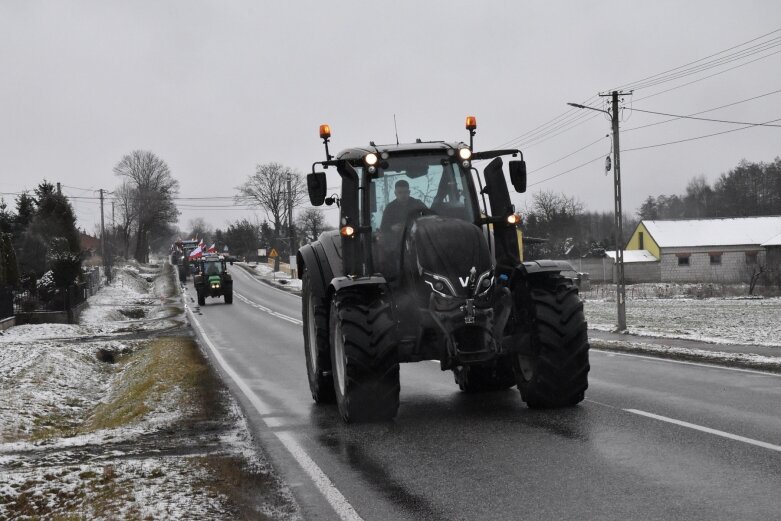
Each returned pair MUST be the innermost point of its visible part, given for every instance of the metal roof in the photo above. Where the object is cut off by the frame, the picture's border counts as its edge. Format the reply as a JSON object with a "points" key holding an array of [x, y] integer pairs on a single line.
{"points": [[734, 231]]}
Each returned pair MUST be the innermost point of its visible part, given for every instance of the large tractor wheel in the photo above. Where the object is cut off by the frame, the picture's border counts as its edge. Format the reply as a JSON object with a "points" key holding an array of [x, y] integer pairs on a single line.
{"points": [[229, 296], [201, 298], [552, 370], [482, 378], [316, 348], [364, 356]]}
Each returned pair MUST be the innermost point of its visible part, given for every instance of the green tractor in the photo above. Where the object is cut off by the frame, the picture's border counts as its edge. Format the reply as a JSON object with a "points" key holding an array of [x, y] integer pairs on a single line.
{"points": [[212, 279], [421, 270]]}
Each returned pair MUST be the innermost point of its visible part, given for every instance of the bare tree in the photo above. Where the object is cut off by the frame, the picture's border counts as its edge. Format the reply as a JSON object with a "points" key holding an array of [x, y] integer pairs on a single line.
{"points": [[312, 223], [267, 188], [127, 210], [200, 229], [154, 188]]}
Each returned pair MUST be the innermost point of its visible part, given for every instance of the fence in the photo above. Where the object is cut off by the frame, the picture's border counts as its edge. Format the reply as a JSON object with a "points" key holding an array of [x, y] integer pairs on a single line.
{"points": [[31, 300]]}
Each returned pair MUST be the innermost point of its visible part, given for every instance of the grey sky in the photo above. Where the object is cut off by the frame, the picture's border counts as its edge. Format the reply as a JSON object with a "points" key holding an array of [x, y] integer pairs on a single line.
{"points": [[215, 87]]}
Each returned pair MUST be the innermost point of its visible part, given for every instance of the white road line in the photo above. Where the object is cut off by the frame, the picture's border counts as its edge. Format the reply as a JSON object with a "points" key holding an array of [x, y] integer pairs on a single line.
{"points": [[268, 310], [326, 487], [251, 277], [723, 434], [683, 362]]}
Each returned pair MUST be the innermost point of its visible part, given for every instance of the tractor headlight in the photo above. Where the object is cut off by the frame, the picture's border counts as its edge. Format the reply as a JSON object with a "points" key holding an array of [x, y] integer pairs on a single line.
{"points": [[371, 159], [464, 153], [439, 284], [484, 283]]}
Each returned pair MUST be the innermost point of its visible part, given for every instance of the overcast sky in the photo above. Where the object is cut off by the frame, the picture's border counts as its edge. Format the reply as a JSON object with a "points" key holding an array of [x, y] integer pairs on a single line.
{"points": [[214, 88]]}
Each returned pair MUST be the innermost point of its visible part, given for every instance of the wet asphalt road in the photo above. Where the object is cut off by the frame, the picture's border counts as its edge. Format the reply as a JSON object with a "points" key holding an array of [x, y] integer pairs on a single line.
{"points": [[654, 439]]}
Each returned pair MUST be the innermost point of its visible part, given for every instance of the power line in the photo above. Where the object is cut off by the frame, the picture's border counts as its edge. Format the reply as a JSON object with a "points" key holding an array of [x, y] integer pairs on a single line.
{"points": [[629, 85], [698, 137], [568, 171], [704, 111], [568, 155], [678, 116], [703, 78]]}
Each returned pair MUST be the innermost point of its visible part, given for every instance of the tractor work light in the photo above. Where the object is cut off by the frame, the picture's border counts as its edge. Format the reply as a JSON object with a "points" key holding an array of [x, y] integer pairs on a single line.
{"points": [[464, 153], [471, 123], [325, 131], [514, 219], [465, 163], [371, 159], [347, 231]]}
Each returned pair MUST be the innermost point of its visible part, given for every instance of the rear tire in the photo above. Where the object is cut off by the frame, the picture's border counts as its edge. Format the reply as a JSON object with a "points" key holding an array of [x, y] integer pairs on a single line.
{"points": [[229, 296], [552, 371], [201, 299], [486, 378], [364, 356], [316, 348]]}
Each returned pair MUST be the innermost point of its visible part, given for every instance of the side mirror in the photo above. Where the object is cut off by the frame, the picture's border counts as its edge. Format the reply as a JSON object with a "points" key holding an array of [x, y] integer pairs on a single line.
{"points": [[316, 184], [518, 175]]}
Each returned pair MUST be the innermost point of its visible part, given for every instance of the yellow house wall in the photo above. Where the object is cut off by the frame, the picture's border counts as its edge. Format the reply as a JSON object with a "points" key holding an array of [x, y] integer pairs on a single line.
{"points": [[648, 241]]}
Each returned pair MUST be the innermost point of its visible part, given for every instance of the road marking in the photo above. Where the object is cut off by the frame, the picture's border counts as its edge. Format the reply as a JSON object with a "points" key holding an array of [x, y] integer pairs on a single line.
{"points": [[683, 362], [269, 286], [707, 429], [336, 499], [268, 310]]}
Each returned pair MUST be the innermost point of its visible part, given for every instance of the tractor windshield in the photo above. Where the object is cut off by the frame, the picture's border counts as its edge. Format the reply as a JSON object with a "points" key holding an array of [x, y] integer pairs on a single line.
{"points": [[415, 183], [213, 268]]}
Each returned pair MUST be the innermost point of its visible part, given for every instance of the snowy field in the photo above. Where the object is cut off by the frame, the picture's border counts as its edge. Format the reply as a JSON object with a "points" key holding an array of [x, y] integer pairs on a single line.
{"points": [[119, 417], [729, 320]]}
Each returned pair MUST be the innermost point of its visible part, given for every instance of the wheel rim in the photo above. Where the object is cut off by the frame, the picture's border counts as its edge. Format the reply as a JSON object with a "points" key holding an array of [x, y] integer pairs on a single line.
{"points": [[312, 335], [339, 358]]}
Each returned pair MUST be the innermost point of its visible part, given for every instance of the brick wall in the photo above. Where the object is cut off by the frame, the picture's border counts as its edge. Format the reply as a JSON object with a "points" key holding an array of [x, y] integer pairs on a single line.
{"points": [[733, 268]]}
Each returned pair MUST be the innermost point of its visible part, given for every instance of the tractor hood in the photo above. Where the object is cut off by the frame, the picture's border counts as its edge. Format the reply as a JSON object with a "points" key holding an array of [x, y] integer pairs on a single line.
{"points": [[450, 255]]}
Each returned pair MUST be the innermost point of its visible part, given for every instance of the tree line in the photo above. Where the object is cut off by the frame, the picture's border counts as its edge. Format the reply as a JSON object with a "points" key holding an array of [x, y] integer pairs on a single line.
{"points": [[568, 230], [748, 190]]}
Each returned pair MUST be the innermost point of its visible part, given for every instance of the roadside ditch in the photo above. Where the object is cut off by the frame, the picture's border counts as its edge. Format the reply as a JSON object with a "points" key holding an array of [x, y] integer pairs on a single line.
{"points": [[122, 417]]}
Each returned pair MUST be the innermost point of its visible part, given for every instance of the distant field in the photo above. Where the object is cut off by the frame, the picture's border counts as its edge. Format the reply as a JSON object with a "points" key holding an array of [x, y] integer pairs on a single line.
{"points": [[721, 320]]}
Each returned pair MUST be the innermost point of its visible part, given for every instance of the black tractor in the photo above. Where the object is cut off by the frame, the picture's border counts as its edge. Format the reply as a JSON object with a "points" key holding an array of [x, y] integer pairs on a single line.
{"points": [[212, 279], [427, 264]]}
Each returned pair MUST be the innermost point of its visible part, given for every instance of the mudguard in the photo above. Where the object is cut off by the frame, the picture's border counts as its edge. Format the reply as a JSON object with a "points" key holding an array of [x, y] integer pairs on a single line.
{"points": [[322, 259], [545, 266], [340, 283]]}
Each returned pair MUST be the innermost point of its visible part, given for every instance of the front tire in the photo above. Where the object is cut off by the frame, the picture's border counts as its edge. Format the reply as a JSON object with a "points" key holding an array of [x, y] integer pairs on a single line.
{"points": [[316, 348], [552, 370], [364, 356]]}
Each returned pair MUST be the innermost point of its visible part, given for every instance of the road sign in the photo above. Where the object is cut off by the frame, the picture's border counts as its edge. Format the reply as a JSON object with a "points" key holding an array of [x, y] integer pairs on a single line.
{"points": [[261, 252], [292, 262], [273, 253]]}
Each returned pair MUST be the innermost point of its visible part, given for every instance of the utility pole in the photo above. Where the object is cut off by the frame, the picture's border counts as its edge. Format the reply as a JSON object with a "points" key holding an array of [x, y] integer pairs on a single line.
{"points": [[59, 188], [291, 230], [619, 231], [103, 239]]}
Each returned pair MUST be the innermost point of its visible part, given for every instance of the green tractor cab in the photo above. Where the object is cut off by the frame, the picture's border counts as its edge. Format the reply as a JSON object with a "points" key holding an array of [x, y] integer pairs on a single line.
{"points": [[212, 279]]}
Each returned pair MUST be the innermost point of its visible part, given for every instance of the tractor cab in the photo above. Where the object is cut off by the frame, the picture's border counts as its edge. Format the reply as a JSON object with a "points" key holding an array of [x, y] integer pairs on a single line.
{"points": [[212, 279]]}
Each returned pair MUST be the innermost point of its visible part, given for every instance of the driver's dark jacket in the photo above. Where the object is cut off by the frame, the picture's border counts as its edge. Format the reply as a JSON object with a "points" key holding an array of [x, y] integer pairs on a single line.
{"points": [[397, 212]]}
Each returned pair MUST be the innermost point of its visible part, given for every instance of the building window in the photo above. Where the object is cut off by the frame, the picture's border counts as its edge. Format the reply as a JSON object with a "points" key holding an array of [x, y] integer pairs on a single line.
{"points": [[640, 241], [683, 259], [751, 257], [715, 258]]}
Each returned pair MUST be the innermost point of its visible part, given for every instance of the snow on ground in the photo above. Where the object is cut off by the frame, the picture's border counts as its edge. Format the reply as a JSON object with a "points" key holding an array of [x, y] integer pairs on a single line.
{"points": [[280, 278], [164, 464], [715, 320]]}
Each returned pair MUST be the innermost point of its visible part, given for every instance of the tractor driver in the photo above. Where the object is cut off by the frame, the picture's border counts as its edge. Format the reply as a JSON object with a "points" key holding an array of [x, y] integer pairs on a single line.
{"points": [[395, 214]]}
